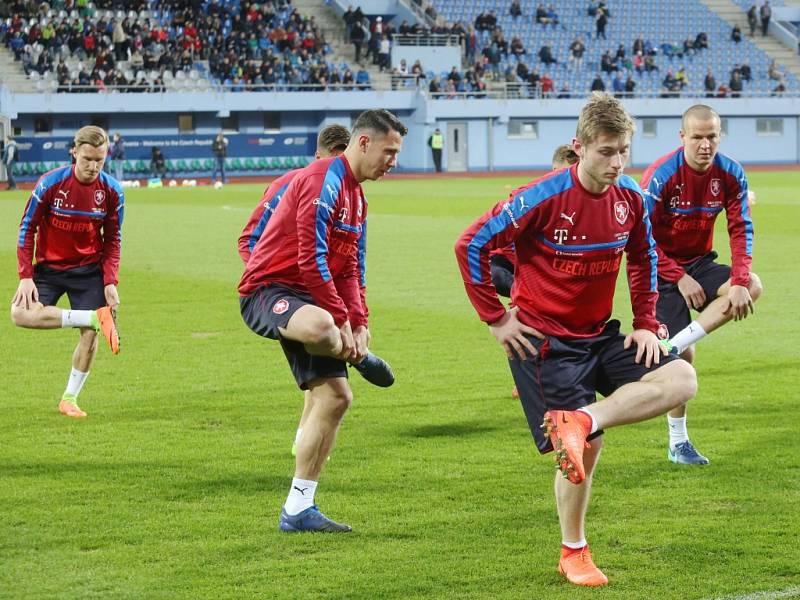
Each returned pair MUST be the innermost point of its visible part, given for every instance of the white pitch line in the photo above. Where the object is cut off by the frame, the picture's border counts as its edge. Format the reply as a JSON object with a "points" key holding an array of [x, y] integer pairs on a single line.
{"points": [[793, 592]]}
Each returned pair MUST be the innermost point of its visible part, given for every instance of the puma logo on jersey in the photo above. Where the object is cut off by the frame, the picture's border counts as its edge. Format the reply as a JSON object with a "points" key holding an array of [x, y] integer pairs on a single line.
{"points": [[570, 218]]}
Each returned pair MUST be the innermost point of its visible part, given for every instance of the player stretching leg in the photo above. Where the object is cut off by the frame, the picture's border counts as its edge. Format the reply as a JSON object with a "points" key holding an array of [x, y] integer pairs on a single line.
{"points": [[685, 191], [570, 229], [331, 141], [304, 285], [502, 261], [72, 225]]}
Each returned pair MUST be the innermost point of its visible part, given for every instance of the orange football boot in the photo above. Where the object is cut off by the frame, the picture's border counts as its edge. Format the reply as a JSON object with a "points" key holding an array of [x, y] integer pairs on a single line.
{"points": [[108, 326], [568, 431], [69, 408], [579, 568]]}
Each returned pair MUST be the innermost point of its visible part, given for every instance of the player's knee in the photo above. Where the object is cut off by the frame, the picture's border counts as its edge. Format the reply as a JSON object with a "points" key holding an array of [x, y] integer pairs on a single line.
{"points": [[682, 382], [322, 330], [755, 286], [336, 400], [21, 317], [342, 401]]}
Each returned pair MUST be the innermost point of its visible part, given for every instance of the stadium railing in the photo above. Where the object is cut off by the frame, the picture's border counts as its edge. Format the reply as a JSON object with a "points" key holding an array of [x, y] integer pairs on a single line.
{"points": [[426, 39], [400, 83]]}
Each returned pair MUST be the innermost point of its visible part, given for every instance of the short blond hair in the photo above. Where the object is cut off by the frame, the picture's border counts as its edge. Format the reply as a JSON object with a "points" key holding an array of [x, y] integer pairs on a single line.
{"points": [[603, 114], [333, 138], [92, 135]]}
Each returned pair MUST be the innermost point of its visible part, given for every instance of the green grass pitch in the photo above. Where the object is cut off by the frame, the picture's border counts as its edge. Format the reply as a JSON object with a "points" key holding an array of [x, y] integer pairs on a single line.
{"points": [[172, 487]]}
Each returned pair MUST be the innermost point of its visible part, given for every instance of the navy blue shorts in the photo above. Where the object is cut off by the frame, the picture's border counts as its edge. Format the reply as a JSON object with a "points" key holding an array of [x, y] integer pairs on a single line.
{"points": [[671, 310], [271, 307], [82, 285], [566, 375], [502, 271]]}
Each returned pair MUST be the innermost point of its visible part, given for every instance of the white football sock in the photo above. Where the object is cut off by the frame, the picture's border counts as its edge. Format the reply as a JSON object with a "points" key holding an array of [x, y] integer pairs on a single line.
{"points": [[75, 382], [575, 545], [594, 423], [297, 435], [687, 336], [677, 430], [76, 318], [301, 496]]}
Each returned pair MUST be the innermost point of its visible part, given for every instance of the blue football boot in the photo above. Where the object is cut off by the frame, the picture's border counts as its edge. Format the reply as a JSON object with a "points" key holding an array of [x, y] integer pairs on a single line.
{"points": [[310, 520], [375, 370], [685, 454]]}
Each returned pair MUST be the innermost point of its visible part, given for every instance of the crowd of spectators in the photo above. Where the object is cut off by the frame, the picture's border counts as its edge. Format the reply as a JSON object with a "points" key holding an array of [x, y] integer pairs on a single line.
{"points": [[141, 45], [137, 45]]}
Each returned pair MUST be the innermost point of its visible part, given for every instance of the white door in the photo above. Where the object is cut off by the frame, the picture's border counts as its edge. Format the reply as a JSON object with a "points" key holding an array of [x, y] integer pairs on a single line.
{"points": [[456, 146]]}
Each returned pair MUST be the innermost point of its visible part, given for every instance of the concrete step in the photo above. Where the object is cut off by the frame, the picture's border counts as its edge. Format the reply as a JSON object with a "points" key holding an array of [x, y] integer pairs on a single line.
{"points": [[734, 15], [332, 26]]}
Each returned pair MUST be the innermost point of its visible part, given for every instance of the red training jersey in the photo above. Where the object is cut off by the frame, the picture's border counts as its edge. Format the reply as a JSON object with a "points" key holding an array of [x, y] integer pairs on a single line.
{"points": [[262, 213], [684, 204], [569, 244], [72, 224], [316, 242]]}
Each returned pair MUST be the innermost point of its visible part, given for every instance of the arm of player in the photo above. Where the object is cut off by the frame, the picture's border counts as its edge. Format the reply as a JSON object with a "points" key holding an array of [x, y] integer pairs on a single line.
{"points": [[642, 272], [260, 217], [315, 214], [668, 269], [29, 225], [246, 242], [497, 228], [112, 238], [740, 229]]}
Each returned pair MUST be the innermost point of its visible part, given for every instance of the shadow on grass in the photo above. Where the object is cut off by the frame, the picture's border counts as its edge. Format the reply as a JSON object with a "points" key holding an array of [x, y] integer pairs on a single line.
{"points": [[244, 484], [449, 430]]}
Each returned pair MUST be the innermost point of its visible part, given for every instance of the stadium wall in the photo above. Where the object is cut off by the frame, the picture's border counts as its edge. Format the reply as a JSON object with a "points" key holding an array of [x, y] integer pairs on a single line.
{"points": [[758, 130]]}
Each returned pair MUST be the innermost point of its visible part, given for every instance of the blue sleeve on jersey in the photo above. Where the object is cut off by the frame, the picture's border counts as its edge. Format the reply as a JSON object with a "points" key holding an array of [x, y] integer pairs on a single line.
{"points": [[272, 204], [45, 183], [513, 211], [328, 197], [117, 187], [733, 168], [648, 202], [663, 174], [362, 255]]}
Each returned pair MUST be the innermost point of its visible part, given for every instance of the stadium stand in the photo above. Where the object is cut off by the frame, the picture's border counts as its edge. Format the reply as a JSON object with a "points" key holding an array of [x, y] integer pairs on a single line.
{"points": [[154, 46], [670, 39]]}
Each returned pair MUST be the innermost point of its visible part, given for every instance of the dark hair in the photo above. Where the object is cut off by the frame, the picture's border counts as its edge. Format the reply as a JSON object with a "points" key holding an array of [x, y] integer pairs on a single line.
{"points": [[333, 138], [379, 119]]}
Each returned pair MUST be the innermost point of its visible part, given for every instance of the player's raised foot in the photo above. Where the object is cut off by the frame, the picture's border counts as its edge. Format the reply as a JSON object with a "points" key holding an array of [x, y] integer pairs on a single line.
{"points": [[686, 454], [68, 407], [375, 370], [579, 568], [107, 325], [515, 393], [568, 430], [310, 520]]}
